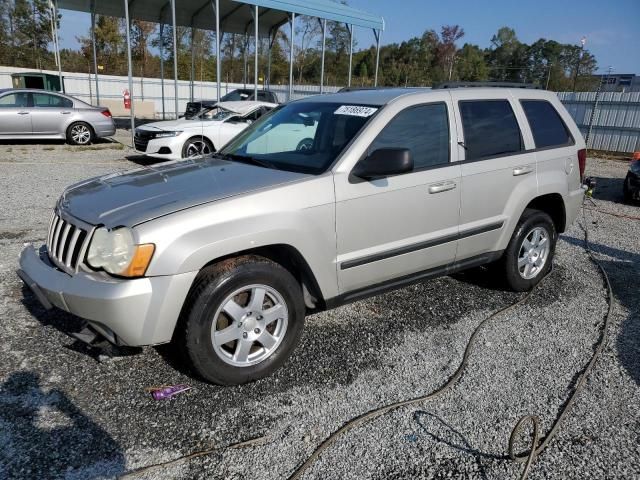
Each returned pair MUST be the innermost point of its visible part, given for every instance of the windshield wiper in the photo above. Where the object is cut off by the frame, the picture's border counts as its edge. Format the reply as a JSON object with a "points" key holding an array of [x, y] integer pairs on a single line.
{"points": [[245, 159]]}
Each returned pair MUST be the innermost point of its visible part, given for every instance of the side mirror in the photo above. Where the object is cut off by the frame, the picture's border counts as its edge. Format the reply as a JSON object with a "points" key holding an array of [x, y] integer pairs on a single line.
{"points": [[384, 162]]}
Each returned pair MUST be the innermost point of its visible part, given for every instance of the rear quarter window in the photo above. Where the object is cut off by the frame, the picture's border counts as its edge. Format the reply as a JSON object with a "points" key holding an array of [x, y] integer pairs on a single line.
{"points": [[546, 125]]}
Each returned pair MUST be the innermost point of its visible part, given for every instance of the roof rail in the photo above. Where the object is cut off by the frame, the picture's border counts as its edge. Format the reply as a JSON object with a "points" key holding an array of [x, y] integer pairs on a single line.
{"points": [[356, 89], [486, 84]]}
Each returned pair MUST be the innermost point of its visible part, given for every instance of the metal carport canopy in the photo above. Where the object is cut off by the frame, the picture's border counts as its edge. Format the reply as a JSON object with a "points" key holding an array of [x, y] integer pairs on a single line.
{"points": [[233, 17]]}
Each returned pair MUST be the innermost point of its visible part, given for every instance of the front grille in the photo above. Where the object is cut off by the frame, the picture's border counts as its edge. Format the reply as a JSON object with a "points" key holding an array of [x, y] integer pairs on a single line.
{"points": [[141, 140], [66, 243]]}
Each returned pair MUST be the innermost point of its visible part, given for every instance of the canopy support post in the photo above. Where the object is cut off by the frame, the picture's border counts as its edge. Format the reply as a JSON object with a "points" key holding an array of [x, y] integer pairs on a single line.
{"points": [[293, 25], [161, 49], [272, 39], [93, 46], [255, 60], [377, 34], [350, 28], [56, 45], [244, 55], [323, 26], [216, 9], [193, 52], [175, 56], [129, 72]]}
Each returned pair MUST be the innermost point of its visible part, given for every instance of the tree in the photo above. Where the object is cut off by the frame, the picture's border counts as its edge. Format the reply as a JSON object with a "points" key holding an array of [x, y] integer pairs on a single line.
{"points": [[30, 33], [447, 49], [471, 65]]}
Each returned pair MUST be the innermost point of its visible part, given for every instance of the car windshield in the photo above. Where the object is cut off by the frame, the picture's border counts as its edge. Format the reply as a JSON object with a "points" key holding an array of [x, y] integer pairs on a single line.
{"points": [[236, 95], [214, 113], [301, 136]]}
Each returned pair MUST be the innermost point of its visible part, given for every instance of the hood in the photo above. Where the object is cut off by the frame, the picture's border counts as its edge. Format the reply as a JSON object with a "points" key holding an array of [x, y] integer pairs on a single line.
{"points": [[181, 123], [136, 196]]}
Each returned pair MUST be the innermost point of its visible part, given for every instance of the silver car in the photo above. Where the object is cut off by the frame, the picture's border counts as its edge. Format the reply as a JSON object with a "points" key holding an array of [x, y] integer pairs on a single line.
{"points": [[38, 114], [226, 255]]}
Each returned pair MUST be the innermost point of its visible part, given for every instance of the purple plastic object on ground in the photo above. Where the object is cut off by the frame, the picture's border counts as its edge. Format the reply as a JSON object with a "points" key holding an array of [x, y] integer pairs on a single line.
{"points": [[169, 392]]}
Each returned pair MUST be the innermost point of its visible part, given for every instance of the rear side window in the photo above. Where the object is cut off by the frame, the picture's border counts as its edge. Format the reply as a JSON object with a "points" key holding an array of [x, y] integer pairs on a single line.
{"points": [[546, 125], [51, 101], [423, 129], [490, 129]]}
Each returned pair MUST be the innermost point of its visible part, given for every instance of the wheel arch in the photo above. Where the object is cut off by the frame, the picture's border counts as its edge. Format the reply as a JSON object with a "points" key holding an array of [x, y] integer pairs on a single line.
{"points": [[553, 205], [294, 262], [204, 137]]}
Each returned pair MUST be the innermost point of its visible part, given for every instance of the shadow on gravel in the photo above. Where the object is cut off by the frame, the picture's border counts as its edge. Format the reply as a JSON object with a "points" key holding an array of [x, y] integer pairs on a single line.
{"points": [[44, 435], [609, 189], [624, 274]]}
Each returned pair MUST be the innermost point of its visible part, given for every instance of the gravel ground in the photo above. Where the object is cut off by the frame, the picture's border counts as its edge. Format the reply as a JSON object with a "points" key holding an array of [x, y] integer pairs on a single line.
{"points": [[66, 412]]}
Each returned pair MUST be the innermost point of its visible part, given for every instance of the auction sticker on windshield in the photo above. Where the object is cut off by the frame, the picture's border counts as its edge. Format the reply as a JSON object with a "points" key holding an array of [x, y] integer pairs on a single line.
{"points": [[355, 111]]}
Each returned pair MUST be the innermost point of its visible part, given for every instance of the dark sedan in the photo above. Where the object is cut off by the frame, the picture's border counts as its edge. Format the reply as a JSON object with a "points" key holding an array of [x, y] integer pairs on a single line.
{"points": [[632, 182]]}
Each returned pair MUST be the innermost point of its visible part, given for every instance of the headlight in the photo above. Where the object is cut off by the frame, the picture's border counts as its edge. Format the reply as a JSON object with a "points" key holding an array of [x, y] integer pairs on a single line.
{"points": [[168, 134], [115, 252]]}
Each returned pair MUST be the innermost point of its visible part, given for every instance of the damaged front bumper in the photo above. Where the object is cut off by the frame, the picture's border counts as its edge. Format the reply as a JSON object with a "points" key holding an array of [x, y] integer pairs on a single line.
{"points": [[133, 312]]}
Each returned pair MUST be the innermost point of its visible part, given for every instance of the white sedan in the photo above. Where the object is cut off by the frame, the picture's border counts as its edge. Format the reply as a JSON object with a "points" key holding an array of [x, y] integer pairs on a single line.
{"points": [[204, 133]]}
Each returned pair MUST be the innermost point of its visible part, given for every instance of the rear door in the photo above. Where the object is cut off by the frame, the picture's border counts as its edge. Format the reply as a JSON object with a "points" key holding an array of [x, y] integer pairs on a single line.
{"points": [[15, 114], [498, 169], [50, 113]]}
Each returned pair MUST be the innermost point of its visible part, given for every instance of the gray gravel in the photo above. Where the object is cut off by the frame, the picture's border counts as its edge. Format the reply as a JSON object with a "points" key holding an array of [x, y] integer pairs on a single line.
{"points": [[66, 414]]}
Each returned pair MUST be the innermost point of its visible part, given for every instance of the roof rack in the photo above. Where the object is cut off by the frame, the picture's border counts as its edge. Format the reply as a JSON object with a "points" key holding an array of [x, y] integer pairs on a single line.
{"points": [[356, 89], [487, 84]]}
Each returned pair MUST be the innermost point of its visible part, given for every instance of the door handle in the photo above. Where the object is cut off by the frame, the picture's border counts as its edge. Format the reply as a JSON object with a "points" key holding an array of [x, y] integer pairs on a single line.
{"points": [[523, 170], [441, 187], [65, 113], [23, 113]]}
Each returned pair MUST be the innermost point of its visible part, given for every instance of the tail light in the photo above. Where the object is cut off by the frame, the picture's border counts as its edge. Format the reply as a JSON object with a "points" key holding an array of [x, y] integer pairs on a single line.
{"points": [[106, 113], [582, 161]]}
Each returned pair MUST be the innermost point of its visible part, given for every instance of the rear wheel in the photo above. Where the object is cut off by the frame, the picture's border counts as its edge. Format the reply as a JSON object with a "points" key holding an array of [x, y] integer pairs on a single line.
{"points": [[196, 147], [79, 133], [529, 255], [241, 321]]}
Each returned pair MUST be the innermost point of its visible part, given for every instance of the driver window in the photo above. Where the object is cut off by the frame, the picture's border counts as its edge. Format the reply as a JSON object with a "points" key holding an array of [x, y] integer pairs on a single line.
{"points": [[423, 129]]}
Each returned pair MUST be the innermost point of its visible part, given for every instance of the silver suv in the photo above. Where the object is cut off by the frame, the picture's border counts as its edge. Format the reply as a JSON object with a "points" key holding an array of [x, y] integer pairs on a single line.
{"points": [[324, 201]]}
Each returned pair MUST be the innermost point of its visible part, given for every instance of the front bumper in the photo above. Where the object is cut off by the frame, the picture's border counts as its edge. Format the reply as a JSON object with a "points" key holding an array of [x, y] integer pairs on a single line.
{"points": [[134, 312], [171, 144]]}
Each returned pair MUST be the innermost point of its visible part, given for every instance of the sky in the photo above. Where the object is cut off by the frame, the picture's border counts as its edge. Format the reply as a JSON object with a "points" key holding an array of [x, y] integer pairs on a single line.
{"points": [[611, 27]]}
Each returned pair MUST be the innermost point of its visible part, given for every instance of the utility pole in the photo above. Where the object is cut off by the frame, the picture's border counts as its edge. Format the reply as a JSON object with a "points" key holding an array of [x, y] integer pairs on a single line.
{"points": [[583, 40]]}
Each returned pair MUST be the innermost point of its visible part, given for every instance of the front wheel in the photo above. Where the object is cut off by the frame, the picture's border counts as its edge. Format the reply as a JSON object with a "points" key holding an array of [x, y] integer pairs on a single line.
{"points": [[241, 321], [529, 255], [196, 147]]}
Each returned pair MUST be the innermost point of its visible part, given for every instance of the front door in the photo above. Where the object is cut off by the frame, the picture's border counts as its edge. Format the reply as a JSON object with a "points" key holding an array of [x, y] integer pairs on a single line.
{"points": [[403, 225], [15, 114]]}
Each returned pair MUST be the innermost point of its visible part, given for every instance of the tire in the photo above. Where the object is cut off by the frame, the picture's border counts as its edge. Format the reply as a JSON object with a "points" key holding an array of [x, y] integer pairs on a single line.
{"points": [[80, 133], [304, 145], [196, 147], [626, 190], [524, 269], [208, 311]]}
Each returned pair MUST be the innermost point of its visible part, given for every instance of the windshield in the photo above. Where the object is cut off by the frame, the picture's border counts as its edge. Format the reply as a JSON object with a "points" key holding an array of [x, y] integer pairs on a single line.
{"points": [[236, 95], [301, 136], [214, 113]]}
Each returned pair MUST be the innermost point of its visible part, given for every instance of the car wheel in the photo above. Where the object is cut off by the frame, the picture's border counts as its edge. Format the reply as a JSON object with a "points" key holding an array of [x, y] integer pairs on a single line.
{"points": [[626, 190], [197, 147], [304, 145], [529, 255], [242, 319], [79, 133]]}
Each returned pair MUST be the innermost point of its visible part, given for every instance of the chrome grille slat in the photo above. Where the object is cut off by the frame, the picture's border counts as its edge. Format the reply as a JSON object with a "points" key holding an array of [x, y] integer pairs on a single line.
{"points": [[72, 247], [54, 243], [63, 241], [52, 226], [67, 242]]}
